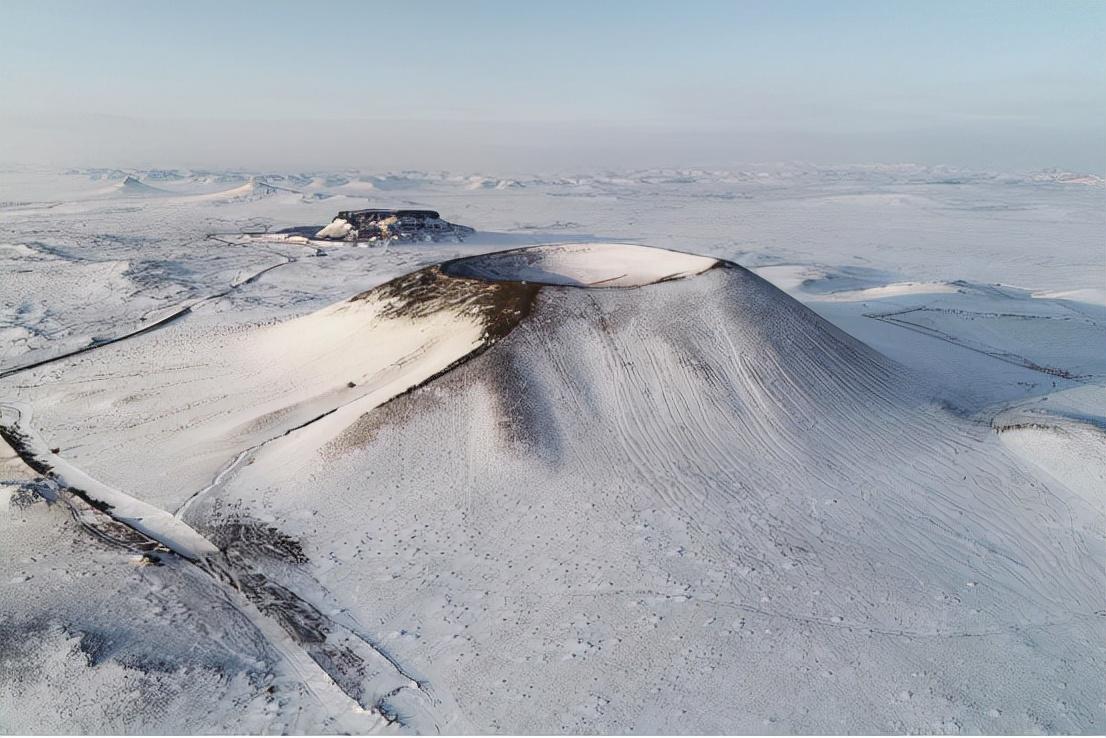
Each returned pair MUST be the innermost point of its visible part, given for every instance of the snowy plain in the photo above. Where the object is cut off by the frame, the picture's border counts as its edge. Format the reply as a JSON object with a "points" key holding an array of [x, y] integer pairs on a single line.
{"points": [[837, 433]]}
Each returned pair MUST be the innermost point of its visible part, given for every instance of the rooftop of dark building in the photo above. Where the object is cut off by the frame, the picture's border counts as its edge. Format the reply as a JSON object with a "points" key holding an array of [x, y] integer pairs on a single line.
{"points": [[379, 213]]}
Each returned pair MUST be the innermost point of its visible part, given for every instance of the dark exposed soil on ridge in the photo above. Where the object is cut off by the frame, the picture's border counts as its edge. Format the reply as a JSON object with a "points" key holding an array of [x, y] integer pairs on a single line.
{"points": [[501, 305]]}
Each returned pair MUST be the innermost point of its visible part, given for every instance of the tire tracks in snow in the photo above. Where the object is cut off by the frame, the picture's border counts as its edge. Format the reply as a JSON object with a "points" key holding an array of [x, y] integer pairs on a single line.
{"points": [[172, 317], [893, 318]]}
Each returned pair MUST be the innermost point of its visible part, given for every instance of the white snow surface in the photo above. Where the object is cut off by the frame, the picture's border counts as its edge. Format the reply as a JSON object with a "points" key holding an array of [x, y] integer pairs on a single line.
{"points": [[590, 486], [585, 265], [158, 524], [337, 229]]}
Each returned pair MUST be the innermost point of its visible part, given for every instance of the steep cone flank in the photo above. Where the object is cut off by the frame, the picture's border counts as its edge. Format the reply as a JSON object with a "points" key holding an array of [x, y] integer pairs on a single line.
{"points": [[698, 484]]}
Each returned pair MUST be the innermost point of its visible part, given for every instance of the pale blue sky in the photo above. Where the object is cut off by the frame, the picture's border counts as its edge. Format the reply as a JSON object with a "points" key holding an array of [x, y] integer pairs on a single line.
{"points": [[517, 85]]}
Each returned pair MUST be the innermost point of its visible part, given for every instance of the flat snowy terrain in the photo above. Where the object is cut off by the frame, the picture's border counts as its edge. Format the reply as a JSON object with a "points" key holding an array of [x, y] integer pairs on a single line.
{"points": [[779, 450]]}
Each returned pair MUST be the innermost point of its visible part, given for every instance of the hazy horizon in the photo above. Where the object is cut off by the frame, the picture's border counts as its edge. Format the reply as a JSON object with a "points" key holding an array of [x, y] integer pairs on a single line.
{"points": [[1008, 86]]}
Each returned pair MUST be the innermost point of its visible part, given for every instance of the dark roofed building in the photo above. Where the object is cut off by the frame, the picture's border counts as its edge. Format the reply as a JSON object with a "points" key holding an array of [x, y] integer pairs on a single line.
{"points": [[380, 224], [374, 215]]}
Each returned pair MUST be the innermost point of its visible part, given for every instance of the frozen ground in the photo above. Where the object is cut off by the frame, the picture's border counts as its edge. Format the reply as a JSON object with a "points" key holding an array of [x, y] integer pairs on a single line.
{"points": [[252, 483]]}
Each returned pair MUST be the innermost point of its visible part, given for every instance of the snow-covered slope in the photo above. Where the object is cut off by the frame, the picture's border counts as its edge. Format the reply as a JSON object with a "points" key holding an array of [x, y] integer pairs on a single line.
{"points": [[640, 501], [259, 384], [254, 189], [519, 504]]}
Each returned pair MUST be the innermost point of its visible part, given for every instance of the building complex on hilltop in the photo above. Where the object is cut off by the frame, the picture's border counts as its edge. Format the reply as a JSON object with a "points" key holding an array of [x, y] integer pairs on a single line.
{"points": [[375, 224]]}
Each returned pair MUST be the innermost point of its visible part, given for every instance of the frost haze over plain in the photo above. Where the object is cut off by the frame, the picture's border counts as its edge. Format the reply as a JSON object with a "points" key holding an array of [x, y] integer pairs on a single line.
{"points": [[566, 86]]}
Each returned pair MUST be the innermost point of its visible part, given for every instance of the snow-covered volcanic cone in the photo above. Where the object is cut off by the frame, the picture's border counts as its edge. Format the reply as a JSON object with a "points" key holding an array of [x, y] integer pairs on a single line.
{"points": [[607, 488], [132, 187], [253, 189], [687, 506]]}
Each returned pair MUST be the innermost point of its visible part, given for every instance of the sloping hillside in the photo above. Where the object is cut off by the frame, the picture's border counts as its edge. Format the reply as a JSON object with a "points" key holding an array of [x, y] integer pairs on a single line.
{"points": [[661, 508]]}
